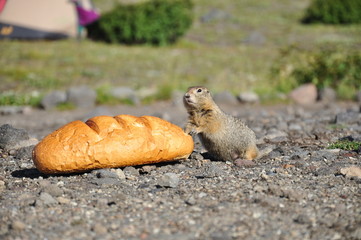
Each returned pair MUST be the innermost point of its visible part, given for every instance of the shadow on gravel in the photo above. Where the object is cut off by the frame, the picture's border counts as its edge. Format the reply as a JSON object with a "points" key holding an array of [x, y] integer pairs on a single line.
{"points": [[35, 173], [27, 173]]}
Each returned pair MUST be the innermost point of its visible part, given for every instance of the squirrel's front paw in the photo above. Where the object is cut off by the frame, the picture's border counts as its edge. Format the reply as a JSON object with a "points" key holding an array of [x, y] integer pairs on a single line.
{"points": [[192, 132]]}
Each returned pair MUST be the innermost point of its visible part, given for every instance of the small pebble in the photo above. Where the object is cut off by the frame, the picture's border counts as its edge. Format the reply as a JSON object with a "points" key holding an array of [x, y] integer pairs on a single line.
{"points": [[105, 181], [119, 172], [264, 176], [12, 152], [148, 168], [2, 186], [18, 225], [169, 180], [47, 199], [53, 190], [99, 229], [196, 156], [244, 163], [63, 200], [44, 183], [131, 171], [106, 173], [191, 201], [285, 166]]}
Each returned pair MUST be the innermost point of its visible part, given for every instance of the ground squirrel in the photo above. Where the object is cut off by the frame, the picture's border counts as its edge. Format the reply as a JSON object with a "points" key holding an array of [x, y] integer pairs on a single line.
{"points": [[224, 136]]}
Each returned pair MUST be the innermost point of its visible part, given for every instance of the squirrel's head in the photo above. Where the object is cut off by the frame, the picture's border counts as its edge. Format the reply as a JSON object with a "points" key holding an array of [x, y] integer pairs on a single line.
{"points": [[197, 97]]}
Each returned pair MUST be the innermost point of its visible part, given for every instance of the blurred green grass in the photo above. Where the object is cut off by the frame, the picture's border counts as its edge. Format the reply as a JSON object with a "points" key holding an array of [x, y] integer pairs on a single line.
{"points": [[216, 52]]}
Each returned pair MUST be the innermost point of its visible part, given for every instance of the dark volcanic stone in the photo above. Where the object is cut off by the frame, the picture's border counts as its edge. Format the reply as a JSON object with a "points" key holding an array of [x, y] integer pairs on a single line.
{"points": [[347, 117], [9, 136], [24, 153]]}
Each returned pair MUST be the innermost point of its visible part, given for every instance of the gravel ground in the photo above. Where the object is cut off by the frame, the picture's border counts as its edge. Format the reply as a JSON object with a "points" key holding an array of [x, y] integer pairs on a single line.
{"points": [[298, 190]]}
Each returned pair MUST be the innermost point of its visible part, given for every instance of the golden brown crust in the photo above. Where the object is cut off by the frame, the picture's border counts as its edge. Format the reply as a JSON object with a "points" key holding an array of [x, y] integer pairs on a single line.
{"points": [[105, 142]]}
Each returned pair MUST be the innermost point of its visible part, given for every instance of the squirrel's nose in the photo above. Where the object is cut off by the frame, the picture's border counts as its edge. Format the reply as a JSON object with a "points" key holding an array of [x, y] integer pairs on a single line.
{"points": [[187, 95]]}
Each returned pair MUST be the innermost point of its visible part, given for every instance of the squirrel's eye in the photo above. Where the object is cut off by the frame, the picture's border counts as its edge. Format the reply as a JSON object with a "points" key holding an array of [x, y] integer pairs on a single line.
{"points": [[199, 90]]}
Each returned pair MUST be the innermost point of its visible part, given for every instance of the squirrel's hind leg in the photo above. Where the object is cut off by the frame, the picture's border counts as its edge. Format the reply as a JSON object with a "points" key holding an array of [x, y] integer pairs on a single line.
{"points": [[251, 153]]}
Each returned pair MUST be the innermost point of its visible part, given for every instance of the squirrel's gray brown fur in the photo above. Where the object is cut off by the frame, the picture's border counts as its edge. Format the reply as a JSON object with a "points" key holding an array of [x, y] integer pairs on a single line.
{"points": [[224, 136]]}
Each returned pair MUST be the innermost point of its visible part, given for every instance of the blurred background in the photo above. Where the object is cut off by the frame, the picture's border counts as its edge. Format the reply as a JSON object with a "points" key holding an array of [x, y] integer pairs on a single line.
{"points": [[156, 47]]}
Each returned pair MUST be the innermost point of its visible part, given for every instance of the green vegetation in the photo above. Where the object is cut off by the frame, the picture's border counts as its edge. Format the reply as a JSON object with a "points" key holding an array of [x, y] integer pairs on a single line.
{"points": [[339, 70], [336, 126], [328, 67], [105, 98], [334, 12], [217, 51], [158, 22], [345, 145], [65, 106], [164, 92], [11, 98]]}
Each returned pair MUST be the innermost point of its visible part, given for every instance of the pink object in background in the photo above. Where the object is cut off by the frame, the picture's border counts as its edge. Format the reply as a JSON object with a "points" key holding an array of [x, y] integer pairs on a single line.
{"points": [[86, 16]]}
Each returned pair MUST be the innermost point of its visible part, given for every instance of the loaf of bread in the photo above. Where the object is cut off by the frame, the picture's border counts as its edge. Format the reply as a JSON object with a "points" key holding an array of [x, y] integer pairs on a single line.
{"points": [[107, 142]]}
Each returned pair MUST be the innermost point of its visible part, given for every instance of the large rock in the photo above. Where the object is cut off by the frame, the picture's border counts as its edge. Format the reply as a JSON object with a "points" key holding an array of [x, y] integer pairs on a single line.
{"points": [[53, 99], [358, 97], [327, 95], [10, 135], [305, 94], [12, 110], [225, 98], [248, 97], [125, 93], [24, 152], [81, 96], [12, 138], [348, 117]]}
